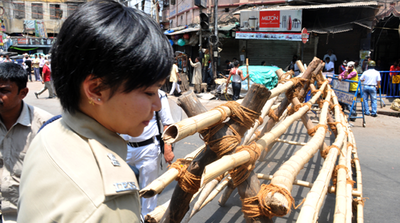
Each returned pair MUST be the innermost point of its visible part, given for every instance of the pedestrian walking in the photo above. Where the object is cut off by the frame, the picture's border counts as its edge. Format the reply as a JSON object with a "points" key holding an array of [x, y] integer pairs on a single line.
{"points": [[46, 80], [36, 69], [372, 82], [237, 78], [174, 77]]}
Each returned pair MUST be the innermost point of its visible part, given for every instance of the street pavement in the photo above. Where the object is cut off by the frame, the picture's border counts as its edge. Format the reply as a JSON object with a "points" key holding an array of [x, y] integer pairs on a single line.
{"points": [[378, 147]]}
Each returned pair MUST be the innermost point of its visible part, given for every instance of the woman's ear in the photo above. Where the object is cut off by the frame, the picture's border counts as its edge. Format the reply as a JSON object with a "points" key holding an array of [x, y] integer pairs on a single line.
{"points": [[92, 89]]}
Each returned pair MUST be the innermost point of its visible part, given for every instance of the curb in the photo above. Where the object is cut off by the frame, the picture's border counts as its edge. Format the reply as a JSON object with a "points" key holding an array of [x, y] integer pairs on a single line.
{"points": [[389, 113]]}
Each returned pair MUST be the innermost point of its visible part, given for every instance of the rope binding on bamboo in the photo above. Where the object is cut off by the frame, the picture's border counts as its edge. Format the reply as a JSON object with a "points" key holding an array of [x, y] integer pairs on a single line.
{"points": [[257, 206], [241, 173], [335, 173], [226, 144], [293, 91], [292, 110], [325, 152], [313, 130], [189, 182], [332, 125], [271, 114]]}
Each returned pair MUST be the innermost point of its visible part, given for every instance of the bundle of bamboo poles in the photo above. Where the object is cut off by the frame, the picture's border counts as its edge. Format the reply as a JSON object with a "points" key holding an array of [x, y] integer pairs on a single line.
{"points": [[214, 171]]}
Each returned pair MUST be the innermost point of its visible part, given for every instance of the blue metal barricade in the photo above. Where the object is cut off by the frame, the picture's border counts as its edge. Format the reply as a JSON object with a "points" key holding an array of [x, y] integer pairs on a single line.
{"points": [[388, 88], [341, 89]]}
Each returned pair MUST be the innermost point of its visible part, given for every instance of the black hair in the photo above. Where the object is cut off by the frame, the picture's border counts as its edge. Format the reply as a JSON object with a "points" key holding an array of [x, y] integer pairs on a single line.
{"points": [[327, 58], [14, 73], [227, 61], [262, 62], [236, 63], [121, 45]]}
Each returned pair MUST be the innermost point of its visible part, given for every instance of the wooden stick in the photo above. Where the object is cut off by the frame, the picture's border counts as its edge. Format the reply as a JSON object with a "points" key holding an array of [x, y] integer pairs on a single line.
{"points": [[156, 215], [360, 206], [227, 193], [341, 190], [291, 142], [216, 191], [254, 100], [204, 194]]}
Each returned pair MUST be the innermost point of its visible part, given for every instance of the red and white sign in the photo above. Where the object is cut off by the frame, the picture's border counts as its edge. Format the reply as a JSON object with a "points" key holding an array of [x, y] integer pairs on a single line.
{"points": [[270, 19], [304, 35]]}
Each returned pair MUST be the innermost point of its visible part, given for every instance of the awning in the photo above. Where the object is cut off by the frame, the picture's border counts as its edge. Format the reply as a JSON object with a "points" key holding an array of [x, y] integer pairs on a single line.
{"points": [[331, 30], [188, 30], [321, 6]]}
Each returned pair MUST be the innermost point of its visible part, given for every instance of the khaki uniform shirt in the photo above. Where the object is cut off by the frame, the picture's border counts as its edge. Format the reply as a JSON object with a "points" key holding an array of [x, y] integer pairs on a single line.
{"points": [[14, 144], [75, 171]]}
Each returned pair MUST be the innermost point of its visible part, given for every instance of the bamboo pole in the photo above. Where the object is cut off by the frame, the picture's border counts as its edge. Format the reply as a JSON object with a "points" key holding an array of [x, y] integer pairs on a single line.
{"points": [[341, 190], [159, 184], [248, 78], [359, 200], [227, 193], [216, 191], [287, 173], [349, 186], [156, 215], [229, 162], [310, 208], [266, 108], [204, 194]]}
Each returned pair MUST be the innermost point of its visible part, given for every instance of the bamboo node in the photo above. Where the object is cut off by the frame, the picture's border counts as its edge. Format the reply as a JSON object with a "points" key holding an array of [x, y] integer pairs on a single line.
{"points": [[272, 115], [257, 206], [241, 173]]}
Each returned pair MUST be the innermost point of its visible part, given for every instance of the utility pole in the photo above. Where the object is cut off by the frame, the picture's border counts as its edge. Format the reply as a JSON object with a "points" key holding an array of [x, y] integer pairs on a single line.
{"points": [[214, 41]]}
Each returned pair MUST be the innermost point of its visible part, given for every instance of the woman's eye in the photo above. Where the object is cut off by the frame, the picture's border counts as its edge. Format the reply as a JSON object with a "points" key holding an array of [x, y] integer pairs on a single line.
{"points": [[149, 93]]}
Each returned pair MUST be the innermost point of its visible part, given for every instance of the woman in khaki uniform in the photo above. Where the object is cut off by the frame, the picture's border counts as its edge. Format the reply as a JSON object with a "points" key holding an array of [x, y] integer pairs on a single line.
{"points": [[107, 82]]}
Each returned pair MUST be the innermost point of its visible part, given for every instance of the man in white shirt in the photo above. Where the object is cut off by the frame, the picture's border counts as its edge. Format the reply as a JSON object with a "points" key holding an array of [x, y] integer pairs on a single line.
{"points": [[371, 79], [329, 66], [331, 56], [144, 151], [19, 124]]}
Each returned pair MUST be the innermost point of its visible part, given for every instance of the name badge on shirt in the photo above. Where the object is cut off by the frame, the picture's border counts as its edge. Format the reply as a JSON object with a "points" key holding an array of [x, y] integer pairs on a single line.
{"points": [[114, 160], [125, 186]]}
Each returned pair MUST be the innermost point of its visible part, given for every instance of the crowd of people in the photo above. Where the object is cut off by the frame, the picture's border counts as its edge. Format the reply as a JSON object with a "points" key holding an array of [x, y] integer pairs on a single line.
{"points": [[80, 166]]}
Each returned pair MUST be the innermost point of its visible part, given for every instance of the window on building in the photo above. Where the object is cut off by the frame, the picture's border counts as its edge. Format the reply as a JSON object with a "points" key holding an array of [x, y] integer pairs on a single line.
{"points": [[72, 7], [55, 11], [172, 2], [19, 10], [37, 11]]}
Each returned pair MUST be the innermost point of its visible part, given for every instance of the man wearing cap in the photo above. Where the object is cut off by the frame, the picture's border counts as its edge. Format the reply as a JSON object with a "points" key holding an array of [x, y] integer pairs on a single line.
{"points": [[372, 81], [350, 74]]}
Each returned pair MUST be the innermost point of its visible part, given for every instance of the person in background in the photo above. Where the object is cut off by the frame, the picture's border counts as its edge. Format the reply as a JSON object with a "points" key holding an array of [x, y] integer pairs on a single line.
{"points": [[75, 169], [205, 60], [7, 59], [28, 63], [329, 66], [358, 67], [343, 66], [196, 79], [42, 61], [36, 69], [372, 82], [293, 66], [350, 74], [332, 57], [229, 66], [237, 78], [144, 151], [263, 63], [1, 58], [395, 76], [19, 123], [174, 77], [46, 80]]}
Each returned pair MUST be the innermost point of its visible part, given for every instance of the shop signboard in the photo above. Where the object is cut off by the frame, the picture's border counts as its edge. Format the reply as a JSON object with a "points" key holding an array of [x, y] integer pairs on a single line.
{"points": [[268, 36], [40, 29], [184, 5], [271, 20]]}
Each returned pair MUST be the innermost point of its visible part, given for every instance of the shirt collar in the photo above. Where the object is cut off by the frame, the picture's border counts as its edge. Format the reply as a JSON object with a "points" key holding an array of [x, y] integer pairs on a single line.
{"points": [[25, 116], [91, 129]]}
